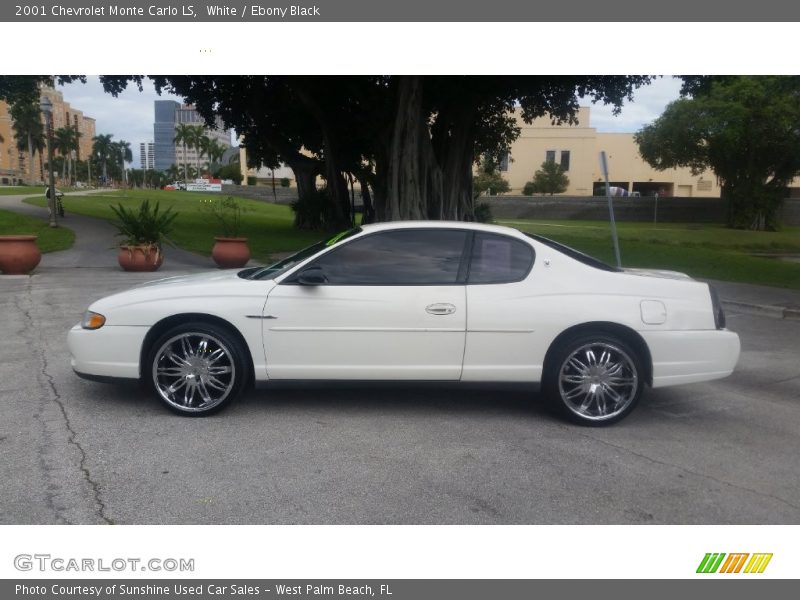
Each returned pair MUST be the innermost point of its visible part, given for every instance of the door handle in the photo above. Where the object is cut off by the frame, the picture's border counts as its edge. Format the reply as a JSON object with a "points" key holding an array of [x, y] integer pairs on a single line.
{"points": [[441, 308]]}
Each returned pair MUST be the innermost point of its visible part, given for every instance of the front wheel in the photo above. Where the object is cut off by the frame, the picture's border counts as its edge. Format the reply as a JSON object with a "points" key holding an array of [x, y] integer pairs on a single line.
{"points": [[196, 369], [594, 379]]}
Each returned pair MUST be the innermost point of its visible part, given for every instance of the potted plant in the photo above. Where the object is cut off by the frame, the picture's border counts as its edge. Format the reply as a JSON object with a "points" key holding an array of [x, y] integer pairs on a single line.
{"points": [[230, 250], [143, 232], [19, 254]]}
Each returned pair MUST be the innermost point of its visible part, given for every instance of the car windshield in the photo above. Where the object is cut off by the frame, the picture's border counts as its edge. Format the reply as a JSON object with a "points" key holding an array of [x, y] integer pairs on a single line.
{"points": [[575, 254], [287, 263]]}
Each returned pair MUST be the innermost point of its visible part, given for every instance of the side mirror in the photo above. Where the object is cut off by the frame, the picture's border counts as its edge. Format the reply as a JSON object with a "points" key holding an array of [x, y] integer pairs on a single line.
{"points": [[312, 276]]}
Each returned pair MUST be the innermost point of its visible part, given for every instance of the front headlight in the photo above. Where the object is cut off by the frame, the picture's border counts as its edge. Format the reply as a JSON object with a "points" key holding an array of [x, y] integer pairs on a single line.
{"points": [[92, 320]]}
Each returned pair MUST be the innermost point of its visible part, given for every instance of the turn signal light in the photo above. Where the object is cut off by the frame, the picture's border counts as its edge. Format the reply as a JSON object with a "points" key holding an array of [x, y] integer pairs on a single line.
{"points": [[93, 320]]}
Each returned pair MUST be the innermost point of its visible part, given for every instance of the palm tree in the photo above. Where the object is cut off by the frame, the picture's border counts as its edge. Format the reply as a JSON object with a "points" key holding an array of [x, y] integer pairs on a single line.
{"points": [[103, 149], [184, 135], [173, 173], [214, 150], [198, 135], [122, 150], [28, 131], [65, 140], [202, 148]]}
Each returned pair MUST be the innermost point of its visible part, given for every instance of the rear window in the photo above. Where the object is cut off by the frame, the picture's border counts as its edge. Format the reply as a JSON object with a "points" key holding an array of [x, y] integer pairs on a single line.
{"points": [[499, 259]]}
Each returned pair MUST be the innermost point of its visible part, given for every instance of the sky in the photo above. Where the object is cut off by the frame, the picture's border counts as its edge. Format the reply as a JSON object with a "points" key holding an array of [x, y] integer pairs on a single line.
{"points": [[129, 116]]}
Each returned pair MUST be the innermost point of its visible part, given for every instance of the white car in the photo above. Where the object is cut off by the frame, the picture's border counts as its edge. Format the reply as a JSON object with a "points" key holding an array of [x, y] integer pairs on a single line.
{"points": [[421, 301]]}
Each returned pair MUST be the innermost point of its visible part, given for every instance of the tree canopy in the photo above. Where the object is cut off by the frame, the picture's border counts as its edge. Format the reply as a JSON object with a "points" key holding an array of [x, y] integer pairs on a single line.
{"points": [[410, 141], [745, 129]]}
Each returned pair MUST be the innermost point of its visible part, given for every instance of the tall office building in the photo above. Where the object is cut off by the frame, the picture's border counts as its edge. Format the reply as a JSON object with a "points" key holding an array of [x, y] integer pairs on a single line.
{"points": [[168, 115], [146, 156]]}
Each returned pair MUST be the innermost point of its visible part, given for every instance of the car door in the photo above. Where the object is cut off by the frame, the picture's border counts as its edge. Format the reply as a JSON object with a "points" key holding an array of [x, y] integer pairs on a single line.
{"points": [[392, 306], [502, 340]]}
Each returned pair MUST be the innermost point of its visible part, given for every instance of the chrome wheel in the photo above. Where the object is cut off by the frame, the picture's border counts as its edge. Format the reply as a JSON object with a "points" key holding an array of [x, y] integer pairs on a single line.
{"points": [[598, 381], [194, 372]]}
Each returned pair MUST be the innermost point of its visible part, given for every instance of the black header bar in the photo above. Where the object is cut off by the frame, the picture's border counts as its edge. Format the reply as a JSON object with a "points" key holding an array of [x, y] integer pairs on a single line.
{"points": [[609, 11]]}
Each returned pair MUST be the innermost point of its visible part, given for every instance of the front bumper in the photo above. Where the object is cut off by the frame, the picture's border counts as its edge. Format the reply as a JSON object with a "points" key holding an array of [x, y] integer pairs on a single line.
{"points": [[108, 352], [691, 356]]}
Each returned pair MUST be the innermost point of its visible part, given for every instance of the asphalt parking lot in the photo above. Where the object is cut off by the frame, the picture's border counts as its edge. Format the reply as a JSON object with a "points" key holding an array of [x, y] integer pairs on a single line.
{"points": [[81, 452]]}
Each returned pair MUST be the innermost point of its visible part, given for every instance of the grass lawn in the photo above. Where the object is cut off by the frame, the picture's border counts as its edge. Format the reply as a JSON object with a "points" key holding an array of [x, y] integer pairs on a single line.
{"points": [[49, 240], [267, 226], [701, 250], [16, 190]]}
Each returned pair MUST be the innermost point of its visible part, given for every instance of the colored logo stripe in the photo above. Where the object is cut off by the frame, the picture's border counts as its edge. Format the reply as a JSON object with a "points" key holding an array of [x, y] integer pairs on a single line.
{"points": [[758, 563], [734, 563], [712, 562]]}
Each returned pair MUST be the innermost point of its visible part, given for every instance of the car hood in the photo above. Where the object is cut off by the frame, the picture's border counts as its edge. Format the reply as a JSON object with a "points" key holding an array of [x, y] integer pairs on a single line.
{"points": [[209, 277], [206, 285]]}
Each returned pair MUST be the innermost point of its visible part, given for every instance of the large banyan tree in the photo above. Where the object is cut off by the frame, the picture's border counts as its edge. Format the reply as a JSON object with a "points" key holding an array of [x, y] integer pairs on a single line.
{"points": [[410, 141]]}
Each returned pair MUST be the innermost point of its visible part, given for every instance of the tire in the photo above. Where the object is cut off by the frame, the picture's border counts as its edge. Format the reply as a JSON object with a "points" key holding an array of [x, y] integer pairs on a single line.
{"points": [[196, 369], [594, 379]]}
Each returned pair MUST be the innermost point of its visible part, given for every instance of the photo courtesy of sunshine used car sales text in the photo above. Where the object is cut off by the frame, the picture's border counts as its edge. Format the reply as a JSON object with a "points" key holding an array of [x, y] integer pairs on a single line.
{"points": [[99, 590]]}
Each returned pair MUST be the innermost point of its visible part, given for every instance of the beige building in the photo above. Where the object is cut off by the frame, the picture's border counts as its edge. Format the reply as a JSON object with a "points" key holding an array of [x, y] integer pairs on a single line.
{"points": [[577, 148], [14, 164]]}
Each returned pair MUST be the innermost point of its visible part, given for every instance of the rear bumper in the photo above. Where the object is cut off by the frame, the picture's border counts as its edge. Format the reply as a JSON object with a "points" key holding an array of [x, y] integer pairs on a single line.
{"points": [[691, 356], [111, 352]]}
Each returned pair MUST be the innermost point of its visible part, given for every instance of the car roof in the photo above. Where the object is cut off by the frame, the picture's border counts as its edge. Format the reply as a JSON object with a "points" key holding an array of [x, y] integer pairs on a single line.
{"points": [[441, 225]]}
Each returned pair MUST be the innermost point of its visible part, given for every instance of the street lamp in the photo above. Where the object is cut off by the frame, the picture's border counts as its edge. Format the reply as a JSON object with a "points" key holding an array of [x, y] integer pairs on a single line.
{"points": [[47, 109]]}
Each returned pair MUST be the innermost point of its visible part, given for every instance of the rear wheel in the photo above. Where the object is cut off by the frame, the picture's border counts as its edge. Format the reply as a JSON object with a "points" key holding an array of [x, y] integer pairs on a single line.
{"points": [[594, 379], [197, 369]]}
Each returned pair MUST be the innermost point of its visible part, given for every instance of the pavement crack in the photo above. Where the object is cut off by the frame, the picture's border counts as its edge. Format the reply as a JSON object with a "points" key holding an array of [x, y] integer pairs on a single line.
{"points": [[690, 471], [72, 436], [786, 380]]}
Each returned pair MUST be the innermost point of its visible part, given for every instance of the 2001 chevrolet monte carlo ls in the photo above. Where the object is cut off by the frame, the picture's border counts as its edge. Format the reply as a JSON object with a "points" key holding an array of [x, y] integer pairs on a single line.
{"points": [[424, 301]]}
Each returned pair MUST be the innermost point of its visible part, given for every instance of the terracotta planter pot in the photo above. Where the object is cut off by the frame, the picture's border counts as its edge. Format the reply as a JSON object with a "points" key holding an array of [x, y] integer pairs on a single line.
{"points": [[19, 254], [140, 258], [230, 253]]}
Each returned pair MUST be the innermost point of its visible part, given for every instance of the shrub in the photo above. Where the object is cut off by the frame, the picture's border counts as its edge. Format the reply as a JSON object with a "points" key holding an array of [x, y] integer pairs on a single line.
{"points": [[489, 183], [145, 227], [550, 178], [314, 211], [529, 189], [227, 212], [285, 182], [488, 179], [483, 212], [232, 172]]}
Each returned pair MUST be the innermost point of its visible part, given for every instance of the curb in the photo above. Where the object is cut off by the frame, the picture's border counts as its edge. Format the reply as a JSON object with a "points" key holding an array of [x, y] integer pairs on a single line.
{"points": [[763, 310]]}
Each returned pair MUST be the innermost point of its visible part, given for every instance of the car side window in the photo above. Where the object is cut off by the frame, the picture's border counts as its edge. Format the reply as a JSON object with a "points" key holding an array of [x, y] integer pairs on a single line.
{"points": [[398, 257], [499, 259]]}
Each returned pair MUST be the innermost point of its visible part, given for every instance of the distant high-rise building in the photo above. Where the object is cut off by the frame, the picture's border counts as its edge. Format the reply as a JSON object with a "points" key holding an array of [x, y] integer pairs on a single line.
{"points": [[146, 156], [16, 165], [168, 115]]}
